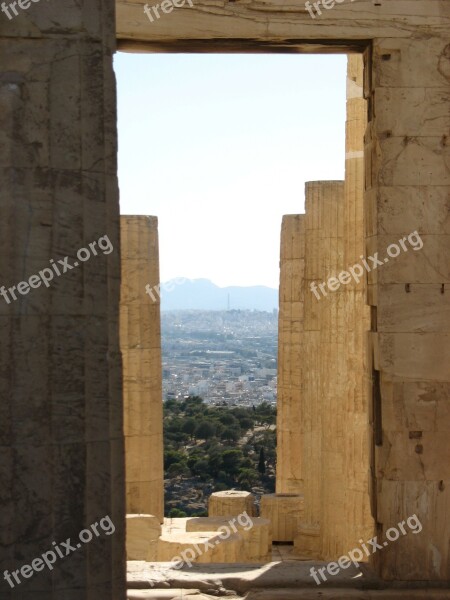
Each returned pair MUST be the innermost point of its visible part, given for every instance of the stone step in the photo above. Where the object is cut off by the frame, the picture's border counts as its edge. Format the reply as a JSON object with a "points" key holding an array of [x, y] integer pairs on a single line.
{"points": [[289, 594], [287, 580], [346, 594], [255, 531]]}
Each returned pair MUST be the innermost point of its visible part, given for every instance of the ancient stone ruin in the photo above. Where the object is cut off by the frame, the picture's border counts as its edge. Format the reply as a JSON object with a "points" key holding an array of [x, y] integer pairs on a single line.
{"points": [[364, 375]]}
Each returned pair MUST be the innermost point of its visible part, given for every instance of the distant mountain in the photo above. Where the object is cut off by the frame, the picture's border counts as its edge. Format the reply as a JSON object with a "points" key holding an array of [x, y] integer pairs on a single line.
{"points": [[202, 294]]}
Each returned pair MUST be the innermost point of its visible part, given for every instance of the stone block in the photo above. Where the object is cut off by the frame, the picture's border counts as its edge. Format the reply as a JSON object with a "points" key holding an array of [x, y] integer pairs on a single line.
{"points": [[414, 455], [412, 356], [231, 503], [200, 547], [422, 554], [142, 533], [292, 240], [255, 531], [403, 209], [420, 111], [428, 155], [425, 260], [396, 64], [285, 513], [414, 308], [415, 406], [307, 542]]}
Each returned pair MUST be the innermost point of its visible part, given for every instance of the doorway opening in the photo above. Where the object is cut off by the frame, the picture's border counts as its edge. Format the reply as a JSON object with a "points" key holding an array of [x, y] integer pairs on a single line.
{"points": [[203, 185]]}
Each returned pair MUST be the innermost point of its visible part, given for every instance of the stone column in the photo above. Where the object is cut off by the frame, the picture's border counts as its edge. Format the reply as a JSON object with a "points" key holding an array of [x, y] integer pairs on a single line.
{"points": [[357, 391], [61, 455], [344, 324], [326, 394], [311, 420], [323, 231], [407, 179], [290, 356], [140, 341]]}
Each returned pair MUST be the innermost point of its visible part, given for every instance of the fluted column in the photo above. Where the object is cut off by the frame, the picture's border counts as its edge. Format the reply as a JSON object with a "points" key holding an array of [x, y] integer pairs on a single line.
{"points": [[290, 356], [357, 393], [140, 341]]}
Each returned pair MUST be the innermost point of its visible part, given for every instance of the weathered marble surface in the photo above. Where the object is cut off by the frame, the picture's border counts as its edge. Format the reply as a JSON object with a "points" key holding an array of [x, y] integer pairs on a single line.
{"points": [[230, 503], [287, 580], [61, 441], [140, 342], [264, 23], [284, 512], [61, 421], [143, 532]]}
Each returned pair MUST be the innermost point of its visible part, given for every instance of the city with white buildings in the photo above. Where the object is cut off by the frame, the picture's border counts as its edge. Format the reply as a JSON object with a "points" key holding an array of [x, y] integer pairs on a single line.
{"points": [[226, 357]]}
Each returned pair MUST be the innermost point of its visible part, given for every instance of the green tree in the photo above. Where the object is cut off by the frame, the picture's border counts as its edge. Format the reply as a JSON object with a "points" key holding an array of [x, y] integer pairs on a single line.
{"points": [[189, 426], [230, 434], [172, 424], [231, 461], [200, 468], [247, 477], [173, 456], [177, 440], [177, 469], [214, 461], [193, 405], [204, 430], [176, 513], [171, 406], [246, 423], [192, 459], [220, 486], [241, 413], [219, 429], [228, 419], [266, 414], [268, 439], [247, 463]]}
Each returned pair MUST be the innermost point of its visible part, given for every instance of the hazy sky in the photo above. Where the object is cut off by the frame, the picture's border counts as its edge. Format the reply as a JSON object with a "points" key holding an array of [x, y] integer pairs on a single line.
{"points": [[219, 147]]}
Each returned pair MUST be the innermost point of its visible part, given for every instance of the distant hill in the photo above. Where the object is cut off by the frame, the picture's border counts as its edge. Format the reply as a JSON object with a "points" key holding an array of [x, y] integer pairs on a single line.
{"points": [[202, 294]]}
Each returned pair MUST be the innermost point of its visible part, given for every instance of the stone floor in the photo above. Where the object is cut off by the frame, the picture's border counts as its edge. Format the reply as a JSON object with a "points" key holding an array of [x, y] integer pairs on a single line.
{"points": [[286, 578]]}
